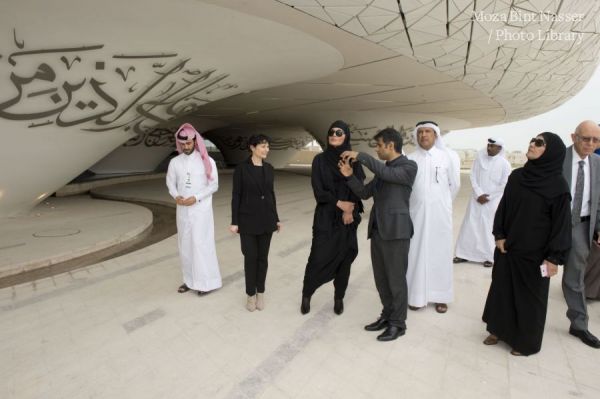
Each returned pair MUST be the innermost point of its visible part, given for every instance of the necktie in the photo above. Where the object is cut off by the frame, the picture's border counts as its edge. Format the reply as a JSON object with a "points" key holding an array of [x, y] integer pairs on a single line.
{"points": [[578, 200]]}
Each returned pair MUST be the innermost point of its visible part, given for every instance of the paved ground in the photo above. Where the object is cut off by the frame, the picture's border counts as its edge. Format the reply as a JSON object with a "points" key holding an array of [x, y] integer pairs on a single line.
{"points": [[118, 329], [59, 229]]}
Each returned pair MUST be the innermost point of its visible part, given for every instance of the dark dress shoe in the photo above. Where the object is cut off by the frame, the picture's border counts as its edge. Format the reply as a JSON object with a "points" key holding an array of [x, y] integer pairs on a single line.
{"points": [[305, 307], [586, 337], [380, 324], [391, 333], [338, 306]]}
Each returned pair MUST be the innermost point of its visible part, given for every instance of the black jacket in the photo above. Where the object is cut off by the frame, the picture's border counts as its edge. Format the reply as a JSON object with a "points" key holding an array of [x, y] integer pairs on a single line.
{"points": [[253, 205], [390, 188]]}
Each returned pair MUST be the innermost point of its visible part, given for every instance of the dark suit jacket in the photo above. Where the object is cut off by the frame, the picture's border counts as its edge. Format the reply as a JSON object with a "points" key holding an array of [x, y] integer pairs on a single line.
{"points": [[390, 189], [594, 189], [253, 210]]}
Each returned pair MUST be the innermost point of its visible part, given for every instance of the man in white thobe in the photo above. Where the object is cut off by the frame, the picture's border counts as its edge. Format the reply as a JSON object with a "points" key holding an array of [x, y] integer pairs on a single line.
{"points": [[192, 179], [489, 175], [429, 274]]}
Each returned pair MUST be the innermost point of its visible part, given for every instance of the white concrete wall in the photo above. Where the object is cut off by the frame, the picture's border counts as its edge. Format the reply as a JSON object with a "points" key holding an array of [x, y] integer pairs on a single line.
{"points": [[78, 78]]}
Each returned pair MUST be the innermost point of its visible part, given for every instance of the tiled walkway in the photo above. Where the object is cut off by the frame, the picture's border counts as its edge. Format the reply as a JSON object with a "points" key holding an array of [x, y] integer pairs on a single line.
{"points": [[60, 229], [118, 329]]}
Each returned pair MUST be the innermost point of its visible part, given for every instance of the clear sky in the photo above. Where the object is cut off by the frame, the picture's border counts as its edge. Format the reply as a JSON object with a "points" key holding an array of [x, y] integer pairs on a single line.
{"points": [[561, 120]]}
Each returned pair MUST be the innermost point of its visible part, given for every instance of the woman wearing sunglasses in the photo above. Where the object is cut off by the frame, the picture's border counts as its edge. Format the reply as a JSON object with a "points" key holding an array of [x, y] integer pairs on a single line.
{"points": [[533, 236], [337, 215]]}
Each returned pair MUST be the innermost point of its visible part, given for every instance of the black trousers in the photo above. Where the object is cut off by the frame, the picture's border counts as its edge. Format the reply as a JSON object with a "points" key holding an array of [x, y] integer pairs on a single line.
{"points": [[390, 260], [256, 252]]}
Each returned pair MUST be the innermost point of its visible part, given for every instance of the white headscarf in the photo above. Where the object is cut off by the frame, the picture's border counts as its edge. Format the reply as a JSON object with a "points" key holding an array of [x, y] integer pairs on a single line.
{"points": [[483, 159], [440, 145]]}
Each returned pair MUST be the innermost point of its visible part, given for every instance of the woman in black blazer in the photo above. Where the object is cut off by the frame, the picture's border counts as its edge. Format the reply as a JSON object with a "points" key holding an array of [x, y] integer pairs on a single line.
{"points": [[254, 217]]}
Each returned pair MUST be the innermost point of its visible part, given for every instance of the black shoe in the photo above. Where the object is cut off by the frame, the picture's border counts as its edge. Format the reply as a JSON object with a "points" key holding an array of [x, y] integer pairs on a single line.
{"points": [[459, 260], [380, 324], [586, 337], [338, 306], [305, 307], [391, 333]]}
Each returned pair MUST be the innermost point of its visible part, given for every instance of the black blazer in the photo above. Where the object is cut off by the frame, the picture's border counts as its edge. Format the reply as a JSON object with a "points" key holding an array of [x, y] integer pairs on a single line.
{"points": [[390, 188], [252, 210]]}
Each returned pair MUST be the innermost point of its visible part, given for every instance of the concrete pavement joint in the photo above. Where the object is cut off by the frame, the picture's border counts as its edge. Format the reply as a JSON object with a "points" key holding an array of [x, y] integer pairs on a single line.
{"points": [[233, 277], [13, 246], [78, 284], [268, 370], [85, 283], [293, 248], [143, 320]]}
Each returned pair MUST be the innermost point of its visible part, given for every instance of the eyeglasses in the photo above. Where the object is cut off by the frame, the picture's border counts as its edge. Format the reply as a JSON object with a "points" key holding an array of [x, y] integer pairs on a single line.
{"points": [[538, 142], [594, 140], [336, 132]]}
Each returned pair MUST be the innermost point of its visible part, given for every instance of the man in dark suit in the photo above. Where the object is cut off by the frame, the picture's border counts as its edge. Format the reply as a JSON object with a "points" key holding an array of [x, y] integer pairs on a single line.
{"points": [[390, 226], [581, 169]]}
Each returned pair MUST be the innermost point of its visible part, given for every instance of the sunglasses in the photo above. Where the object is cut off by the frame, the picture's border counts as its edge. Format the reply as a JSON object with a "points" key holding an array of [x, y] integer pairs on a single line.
{"points": [[335, 132], [538, 142]]}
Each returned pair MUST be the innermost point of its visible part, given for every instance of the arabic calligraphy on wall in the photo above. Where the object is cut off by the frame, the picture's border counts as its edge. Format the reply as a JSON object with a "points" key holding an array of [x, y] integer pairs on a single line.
{"points": [[154, 138], [84, 86], [277, 143], [364, 135]]}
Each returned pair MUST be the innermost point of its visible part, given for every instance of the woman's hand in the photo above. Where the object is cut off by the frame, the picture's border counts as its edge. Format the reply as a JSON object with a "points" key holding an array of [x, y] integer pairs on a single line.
{"points": [[500, 245], [234, 229], [346, 206], [279, 226], [347, 218]]}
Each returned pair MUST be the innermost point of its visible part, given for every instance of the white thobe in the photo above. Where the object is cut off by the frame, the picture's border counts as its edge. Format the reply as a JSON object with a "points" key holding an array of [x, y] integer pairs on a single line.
{"points": [[195, 223], [475, 240], [429, 273]]}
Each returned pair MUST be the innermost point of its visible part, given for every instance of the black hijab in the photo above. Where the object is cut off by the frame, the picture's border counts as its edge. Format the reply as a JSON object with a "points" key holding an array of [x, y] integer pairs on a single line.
{"points": [[333, 178], [544, 175], [332, 154]]}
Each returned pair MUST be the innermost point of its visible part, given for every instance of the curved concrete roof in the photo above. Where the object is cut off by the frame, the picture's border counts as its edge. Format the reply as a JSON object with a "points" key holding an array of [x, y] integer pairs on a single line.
{"points": [[80, 78], [528, 56]]}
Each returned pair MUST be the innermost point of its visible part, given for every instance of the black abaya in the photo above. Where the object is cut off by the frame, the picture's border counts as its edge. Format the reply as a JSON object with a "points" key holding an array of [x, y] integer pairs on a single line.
{"points": [[536, 228], [334, 245]]}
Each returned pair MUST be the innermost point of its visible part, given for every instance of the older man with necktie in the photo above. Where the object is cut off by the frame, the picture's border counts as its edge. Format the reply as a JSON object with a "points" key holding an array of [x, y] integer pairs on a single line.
{"points": [[581, 169]]}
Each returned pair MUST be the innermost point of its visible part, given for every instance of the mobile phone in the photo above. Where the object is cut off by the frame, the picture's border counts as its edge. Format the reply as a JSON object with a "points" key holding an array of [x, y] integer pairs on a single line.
{"points": [[544, 270]]}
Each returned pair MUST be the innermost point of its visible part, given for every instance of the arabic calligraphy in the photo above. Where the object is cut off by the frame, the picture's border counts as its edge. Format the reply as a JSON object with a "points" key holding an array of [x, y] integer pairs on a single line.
{"points": [[366, 134], [82, 86], [155, 138], [276, 143]]}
